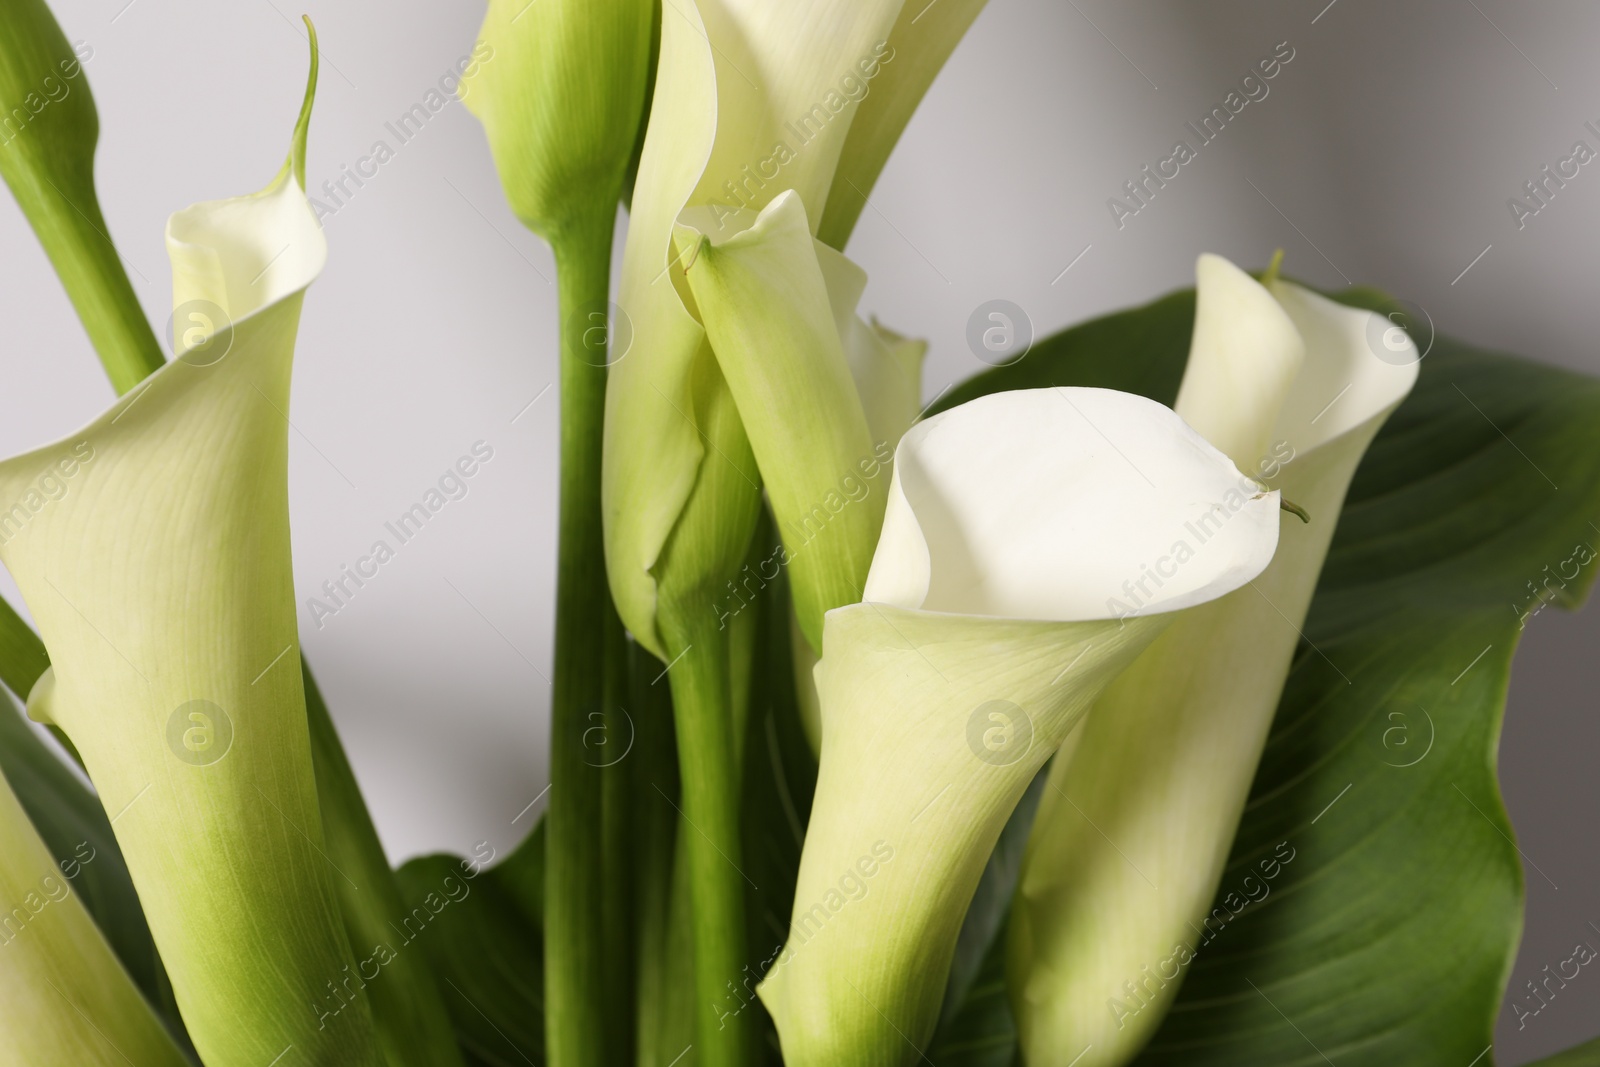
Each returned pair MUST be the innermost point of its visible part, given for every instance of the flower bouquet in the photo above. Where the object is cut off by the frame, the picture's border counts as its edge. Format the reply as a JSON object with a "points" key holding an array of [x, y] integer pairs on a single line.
{"points": [[1134, 701]]}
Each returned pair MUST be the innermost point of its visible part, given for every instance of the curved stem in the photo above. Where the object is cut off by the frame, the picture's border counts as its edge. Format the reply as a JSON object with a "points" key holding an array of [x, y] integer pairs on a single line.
{"points": [[73, 233], [575, 964]]}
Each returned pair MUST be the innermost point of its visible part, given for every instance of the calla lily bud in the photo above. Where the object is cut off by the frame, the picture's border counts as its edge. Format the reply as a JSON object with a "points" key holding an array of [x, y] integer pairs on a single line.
{"points": [[58, 969], [994, 615], [152, 548], [752, 99], [47, 141], [559, 86], [1130, 841]]}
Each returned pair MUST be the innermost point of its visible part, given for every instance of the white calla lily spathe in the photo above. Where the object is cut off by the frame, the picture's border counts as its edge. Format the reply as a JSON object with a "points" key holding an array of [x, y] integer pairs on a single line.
{"points": [[152, 548], [993, 618], [1131, 838]]}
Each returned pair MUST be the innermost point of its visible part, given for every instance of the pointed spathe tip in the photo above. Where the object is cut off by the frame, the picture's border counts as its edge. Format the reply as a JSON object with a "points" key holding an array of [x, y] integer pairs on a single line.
{"points": [[297, 153]]}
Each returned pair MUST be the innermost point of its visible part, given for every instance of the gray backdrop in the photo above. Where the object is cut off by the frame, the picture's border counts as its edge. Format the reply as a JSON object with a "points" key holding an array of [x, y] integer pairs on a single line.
{"points": [[1384, 153]]}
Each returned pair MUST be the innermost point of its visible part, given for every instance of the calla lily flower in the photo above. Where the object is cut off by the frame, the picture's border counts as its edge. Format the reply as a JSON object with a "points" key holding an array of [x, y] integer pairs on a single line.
{"points": [[59, 970], [752, 101], [990, 625], [152, 548], [1130, 842]]}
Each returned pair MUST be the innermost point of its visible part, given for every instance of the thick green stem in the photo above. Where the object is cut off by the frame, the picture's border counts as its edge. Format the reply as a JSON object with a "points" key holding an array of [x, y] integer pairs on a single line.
{"points": [[69, 225], [575, 957], [662, 973], [616, 839], [703, 711]]}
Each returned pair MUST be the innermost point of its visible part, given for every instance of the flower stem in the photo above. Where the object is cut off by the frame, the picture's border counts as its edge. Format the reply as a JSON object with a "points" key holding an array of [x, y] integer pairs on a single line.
{"points": [[703, 712], [575, 966], [72, 230], [616, 839]]}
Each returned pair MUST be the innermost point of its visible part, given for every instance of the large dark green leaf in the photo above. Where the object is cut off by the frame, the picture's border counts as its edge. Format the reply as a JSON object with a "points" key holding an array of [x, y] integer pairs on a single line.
{"points": [[1388, 938], [481, 932]]}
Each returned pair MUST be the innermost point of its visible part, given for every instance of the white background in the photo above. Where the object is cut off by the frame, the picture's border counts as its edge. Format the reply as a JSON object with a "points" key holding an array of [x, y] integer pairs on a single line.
{"points": [[1384, 155]]}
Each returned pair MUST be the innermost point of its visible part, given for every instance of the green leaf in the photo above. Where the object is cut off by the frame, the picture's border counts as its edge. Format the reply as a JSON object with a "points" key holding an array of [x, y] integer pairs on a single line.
{"points": [[481, 930], [407, 1005], [975, 1025], [1403, 877], [982, 1032]]}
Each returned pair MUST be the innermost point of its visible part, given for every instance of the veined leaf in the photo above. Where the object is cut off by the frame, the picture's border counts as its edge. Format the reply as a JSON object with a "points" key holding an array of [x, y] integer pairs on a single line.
{"points": [[481, 932]]}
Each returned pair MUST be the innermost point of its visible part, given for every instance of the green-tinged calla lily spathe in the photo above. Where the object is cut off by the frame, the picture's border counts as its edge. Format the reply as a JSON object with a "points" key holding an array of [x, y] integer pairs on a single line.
{"points": [[1130, 841], [56, 969], [48, 130], [924, 35], [752, 101], [779, 310], [989, 627], [152, 548], [766, 310], [559, 86]]}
